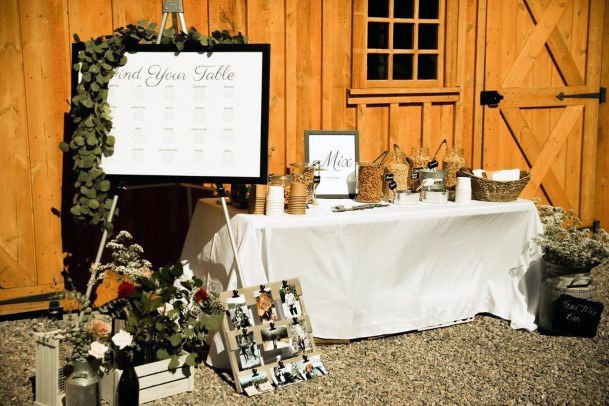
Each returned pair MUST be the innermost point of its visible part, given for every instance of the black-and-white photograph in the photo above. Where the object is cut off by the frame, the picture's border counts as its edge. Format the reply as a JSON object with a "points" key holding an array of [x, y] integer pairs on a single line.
{"points": [[289, 301], [276, 344], [286, 374], [249, 353], [312, 368], [274, 338], [300, 338], [239, 315], [255, 382], [266, 306]]}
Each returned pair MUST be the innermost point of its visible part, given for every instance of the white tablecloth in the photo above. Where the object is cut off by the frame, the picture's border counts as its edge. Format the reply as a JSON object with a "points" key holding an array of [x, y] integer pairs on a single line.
{"points": [[383, 270]]}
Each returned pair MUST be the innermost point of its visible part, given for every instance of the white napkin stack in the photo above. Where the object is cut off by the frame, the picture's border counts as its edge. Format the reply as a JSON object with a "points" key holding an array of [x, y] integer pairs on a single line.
{"points": [[502, 175]]}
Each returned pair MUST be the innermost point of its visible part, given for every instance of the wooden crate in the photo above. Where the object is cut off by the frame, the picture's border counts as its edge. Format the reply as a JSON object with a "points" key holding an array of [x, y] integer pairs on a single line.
{"points": [[51, 351], [156, 381]]}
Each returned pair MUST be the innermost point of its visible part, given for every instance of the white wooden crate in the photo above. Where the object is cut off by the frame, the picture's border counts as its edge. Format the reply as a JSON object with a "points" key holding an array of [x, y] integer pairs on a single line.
{"points": [[51, 351], [156, 381]]}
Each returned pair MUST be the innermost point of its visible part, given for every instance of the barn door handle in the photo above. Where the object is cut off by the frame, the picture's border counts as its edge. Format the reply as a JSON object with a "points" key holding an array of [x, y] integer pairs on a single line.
{"points": [[601, 95], [490, 98]]}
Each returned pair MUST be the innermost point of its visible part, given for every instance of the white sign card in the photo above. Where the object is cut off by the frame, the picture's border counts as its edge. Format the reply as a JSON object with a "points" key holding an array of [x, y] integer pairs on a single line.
{"points": [[337, 152], [191, 115]]}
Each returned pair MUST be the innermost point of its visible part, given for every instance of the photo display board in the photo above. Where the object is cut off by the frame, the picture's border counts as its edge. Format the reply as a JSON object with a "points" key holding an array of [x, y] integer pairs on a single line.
{"points": [[195, 116], [268, 337]]}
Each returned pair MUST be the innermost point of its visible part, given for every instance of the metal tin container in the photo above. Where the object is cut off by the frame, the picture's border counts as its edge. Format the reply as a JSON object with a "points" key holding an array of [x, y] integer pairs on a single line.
{"points": [[433, 180], [403, 197], [430, 196]]}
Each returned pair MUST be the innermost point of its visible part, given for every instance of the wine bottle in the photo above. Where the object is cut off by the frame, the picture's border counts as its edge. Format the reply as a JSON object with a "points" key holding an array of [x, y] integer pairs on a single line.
{"points": [[128, 388]]}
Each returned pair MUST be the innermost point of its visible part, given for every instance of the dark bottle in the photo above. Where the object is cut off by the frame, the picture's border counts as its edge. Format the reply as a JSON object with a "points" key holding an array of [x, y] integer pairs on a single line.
{"points": [[128, 389]]}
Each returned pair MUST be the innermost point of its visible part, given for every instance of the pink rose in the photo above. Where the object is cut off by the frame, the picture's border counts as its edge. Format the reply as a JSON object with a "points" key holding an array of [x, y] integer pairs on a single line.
{"points": [[99, 329]]}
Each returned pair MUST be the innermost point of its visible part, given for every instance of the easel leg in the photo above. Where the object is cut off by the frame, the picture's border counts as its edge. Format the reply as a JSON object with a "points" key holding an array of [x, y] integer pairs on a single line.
{"points": [[233, 245], [100, 251]]}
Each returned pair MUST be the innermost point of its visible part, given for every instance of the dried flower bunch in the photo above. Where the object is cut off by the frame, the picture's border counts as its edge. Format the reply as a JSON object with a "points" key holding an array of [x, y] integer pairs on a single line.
{"points": [[565, 244], [127, 258]]}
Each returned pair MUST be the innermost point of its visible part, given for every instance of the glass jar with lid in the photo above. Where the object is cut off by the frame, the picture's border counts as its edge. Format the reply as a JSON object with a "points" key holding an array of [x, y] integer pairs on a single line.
{"points": [[418, 159], [452, 162], [369, 182]]}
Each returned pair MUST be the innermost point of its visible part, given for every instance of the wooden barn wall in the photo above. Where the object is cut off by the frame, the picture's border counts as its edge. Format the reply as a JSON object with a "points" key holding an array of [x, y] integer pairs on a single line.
{"points": [[601, 208], [311, 72]]}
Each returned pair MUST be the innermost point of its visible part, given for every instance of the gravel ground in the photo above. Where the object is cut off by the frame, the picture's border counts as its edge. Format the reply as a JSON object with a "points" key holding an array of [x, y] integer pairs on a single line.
{"points": [[482, 362]]}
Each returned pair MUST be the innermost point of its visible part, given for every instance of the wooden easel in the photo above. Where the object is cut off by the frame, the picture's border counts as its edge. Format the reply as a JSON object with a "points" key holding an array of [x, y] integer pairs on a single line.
{"points": [[177, 9]]}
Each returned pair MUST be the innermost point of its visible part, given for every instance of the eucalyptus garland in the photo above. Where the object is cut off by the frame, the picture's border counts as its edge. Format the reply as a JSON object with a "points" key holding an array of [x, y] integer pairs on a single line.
{"points": [[91, 115]]}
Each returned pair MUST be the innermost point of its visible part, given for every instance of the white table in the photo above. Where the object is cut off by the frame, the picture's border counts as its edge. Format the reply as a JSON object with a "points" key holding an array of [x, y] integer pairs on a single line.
{"points": [[383, 270]]}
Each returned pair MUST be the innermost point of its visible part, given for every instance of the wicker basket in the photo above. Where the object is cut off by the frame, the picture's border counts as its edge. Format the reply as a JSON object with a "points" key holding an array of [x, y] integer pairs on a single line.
{"points": [[495, 190]]}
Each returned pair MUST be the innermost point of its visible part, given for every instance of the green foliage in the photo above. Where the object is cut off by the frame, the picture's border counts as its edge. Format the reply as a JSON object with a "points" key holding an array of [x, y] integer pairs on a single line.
{"points": [[91, 115], [76, 328]]}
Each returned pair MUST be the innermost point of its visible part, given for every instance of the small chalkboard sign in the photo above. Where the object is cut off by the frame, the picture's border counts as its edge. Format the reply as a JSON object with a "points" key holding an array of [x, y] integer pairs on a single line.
{"points": [[575, 316]]}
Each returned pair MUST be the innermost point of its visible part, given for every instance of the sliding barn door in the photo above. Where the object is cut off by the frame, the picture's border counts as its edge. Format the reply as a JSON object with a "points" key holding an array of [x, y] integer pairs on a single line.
{"points": [[543, 58]]}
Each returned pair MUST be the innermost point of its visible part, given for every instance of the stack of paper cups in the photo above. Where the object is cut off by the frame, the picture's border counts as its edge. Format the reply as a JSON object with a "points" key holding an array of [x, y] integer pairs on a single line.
{"points": [[463, 190], [274, 201]]}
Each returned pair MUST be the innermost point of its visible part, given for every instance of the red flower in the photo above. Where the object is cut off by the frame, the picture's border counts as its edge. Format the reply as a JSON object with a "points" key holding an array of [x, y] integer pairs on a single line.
{"points": [[201, 295], [125, 290]]}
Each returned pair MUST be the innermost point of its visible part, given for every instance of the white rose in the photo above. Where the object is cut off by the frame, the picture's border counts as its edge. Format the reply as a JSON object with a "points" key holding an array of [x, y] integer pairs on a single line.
{"points": [[98, 350], [122, 339], [165, 308]]}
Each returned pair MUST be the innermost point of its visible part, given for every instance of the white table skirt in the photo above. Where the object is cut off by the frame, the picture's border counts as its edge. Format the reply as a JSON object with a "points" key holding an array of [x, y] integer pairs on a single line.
{"points": [[383, 270]]}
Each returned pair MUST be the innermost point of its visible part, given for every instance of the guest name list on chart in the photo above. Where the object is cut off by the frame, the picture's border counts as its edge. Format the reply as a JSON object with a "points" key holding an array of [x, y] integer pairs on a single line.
{"points": [[191, 114]]}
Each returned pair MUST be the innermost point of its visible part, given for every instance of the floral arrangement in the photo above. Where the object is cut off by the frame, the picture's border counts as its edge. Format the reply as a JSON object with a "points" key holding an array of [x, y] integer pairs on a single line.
{"points": [[565, 244], [166, 315], [162, 314]]}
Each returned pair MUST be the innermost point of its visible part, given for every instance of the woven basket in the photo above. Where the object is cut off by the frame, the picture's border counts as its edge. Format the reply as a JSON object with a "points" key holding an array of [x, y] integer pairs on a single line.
{"points": [[496, 190]]}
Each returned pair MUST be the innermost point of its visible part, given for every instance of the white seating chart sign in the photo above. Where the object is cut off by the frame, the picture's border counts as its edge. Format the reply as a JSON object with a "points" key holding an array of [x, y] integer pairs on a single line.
{"points": [[191, 114]]}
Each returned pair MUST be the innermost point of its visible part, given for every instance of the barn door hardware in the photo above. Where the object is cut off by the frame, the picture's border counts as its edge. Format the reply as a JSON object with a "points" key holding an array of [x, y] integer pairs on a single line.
{"points": [[601, 95], [490, 98]]}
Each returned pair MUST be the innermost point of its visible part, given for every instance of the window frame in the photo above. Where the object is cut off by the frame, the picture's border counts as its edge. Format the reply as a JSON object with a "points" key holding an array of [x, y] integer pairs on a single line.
{"points": [[361, 50]]}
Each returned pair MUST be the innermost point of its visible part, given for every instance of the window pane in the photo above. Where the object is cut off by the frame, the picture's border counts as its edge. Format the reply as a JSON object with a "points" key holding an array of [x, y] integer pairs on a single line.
{"points": [[428, 66], [428, 36], [378, 8], [377, 66], [428, 8], [403, 36], [377, 35], [403, 8], [402, 67]]}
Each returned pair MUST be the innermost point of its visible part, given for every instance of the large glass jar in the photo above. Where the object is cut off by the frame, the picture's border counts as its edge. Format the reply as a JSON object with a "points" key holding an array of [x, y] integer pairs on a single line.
{"points": [[452, 162], [303, 172], [285, 181], [369, 182], [419, 158]]}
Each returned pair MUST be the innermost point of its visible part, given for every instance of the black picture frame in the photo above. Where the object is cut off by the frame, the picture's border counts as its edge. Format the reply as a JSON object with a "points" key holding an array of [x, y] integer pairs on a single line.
{"points": [[337, 152], [258, 173]]}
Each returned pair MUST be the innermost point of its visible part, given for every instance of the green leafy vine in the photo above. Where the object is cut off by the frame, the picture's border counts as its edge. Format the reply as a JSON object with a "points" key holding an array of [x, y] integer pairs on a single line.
{"points": [[91, 115]]}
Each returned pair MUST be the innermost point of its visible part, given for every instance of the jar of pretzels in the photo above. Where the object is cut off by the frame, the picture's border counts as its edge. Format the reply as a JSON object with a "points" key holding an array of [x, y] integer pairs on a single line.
{"points": [[452, 162], [303, 172]]}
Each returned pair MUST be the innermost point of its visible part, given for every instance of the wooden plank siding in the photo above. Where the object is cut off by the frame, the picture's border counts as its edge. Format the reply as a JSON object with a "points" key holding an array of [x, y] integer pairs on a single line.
{"points": [[601, 197], [318, 81]]}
